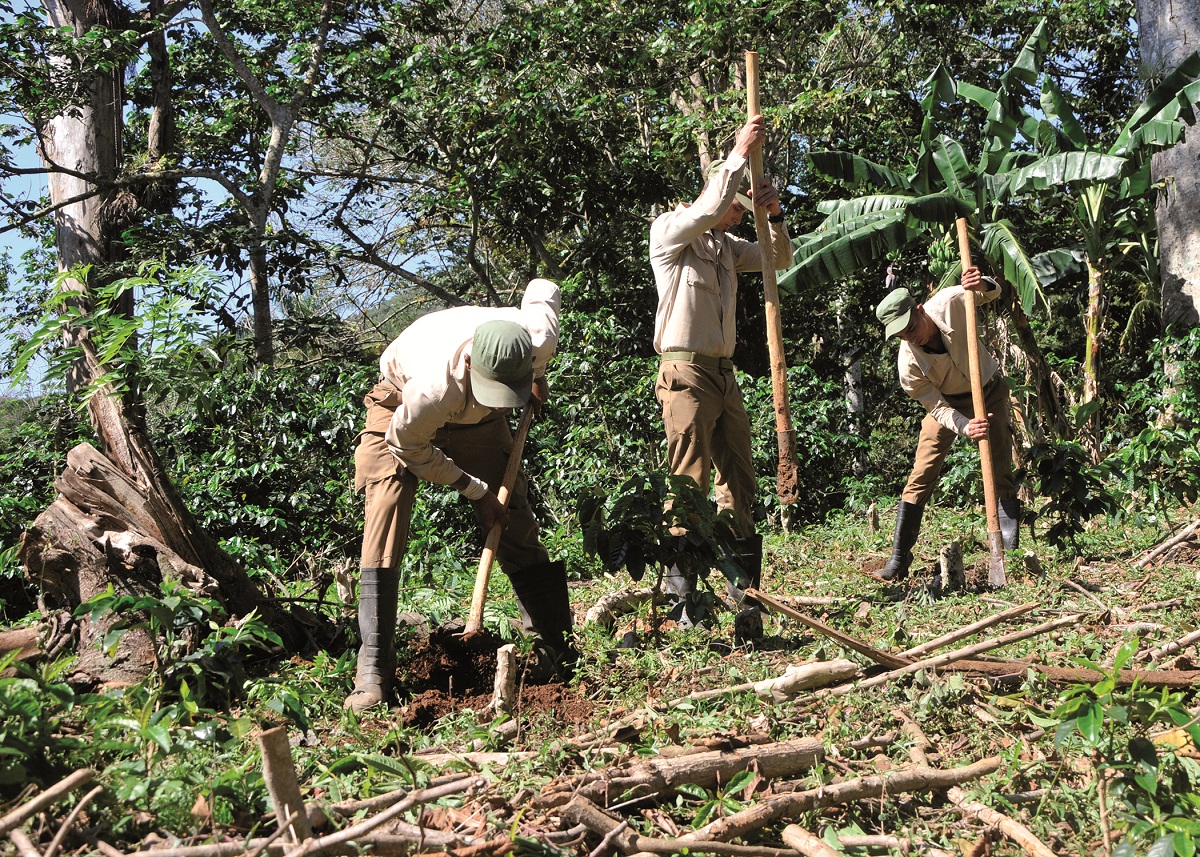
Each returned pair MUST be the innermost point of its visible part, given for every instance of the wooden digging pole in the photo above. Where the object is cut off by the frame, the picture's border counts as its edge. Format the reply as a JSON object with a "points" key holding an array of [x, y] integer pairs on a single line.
{"points": [[996, 576], [786, 476], [475, 619]]}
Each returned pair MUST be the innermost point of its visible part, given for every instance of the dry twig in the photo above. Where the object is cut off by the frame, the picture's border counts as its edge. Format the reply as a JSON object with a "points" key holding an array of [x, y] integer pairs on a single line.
{"points": [[1010, 827], [49, 796]]}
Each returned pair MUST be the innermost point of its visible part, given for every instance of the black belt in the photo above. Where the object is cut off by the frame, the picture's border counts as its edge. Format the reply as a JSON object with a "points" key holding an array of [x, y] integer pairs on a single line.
{"points": [[695, 357]]}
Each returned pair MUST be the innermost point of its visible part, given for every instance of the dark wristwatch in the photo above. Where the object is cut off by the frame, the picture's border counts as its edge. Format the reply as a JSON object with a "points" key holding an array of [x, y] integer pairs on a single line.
{"points": [[776, 218]]}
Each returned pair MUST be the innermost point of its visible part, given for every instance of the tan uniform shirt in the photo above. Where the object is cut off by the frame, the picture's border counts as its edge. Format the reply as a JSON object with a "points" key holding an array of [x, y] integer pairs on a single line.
{"points": [[696, 268], [928, 376], [427, 363]]}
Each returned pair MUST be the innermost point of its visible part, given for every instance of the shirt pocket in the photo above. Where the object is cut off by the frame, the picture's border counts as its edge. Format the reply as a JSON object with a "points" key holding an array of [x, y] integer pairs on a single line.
{"points": [[700, 264]]}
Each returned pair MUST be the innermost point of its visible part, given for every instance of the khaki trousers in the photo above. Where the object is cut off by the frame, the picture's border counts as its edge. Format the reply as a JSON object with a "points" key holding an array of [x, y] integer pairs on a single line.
{"points": [[389, 489], [708, 429], [936, 440]]}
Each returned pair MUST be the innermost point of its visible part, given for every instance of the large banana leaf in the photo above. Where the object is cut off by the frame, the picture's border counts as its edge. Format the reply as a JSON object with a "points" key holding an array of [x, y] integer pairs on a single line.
{"points": [[841, 210], [1075, 168], [937, 208], [824, 257], [855, 171], [1155, 135], [1165, 97], [1028, 64], [1057, 108], [951, 162], [1054, 265], [1004, 251]]}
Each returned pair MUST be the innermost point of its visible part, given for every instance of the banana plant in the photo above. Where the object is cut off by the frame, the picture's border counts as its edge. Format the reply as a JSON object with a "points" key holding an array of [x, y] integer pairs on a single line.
{"points": [[1110, 215], [1027, 155], [900, 206]]}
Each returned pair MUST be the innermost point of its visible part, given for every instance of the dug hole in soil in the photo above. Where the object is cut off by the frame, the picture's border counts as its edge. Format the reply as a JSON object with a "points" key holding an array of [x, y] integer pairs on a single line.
{"points": [[447, 672]]}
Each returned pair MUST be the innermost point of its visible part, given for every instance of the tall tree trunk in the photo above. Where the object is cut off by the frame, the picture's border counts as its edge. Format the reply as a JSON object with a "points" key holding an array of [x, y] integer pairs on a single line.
{"points": [[81, 530], [1168, 31]]}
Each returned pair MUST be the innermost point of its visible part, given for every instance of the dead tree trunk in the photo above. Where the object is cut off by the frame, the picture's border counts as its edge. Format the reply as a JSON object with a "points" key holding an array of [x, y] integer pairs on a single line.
{"points": [[118, 519]]}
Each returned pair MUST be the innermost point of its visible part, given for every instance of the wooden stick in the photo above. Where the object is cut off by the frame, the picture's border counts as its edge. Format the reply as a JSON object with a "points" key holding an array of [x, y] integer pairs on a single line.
{"points": [[63, 787], [475, 618], [582, 811], [1188, 532], [706, 769], [1010, 827], [996, 575], [1174, 646], [919, 778], [969, 630], [877, 655], [25, 846], [52, 849], [806, 842], [951, 657], [355, 831], [279, 773], [787, 476]]}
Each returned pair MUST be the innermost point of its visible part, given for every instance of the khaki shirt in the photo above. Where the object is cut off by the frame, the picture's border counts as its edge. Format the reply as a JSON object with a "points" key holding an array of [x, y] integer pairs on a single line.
{"points": [[930, 377], [696, 267], [427, 363]]}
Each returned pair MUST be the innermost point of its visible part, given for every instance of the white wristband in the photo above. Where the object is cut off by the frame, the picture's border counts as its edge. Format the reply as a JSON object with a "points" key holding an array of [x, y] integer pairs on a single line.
{"points": [[475, 490]]}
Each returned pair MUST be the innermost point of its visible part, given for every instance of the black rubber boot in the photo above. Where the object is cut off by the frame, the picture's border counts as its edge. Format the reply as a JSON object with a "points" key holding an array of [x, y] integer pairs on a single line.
{"points": [[541, 592], [378, 589], [908, 526], [1009, 512], [747, 624]]}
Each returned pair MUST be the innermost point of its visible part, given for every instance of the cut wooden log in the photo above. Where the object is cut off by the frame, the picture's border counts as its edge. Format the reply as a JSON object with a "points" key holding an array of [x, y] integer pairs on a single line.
{"points": [[708, 769], [608, 607], [102, 530], [279, 773], [504, 687], [801, 677], [23, 641], [919, 778], [806, 842]]}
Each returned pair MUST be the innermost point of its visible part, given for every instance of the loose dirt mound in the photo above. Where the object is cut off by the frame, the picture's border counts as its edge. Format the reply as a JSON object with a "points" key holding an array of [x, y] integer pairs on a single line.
{"points": [[448, 672]]}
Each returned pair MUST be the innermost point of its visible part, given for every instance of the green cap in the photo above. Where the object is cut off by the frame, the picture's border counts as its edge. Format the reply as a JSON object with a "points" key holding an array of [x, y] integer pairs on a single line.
{"points": [[501, 365], [895, 311], [714, 168]]}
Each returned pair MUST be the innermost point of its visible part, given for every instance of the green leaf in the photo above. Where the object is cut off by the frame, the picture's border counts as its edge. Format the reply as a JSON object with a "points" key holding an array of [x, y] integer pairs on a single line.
{"points": [[1004, 250], [1056, 107], [855, 171], [1074, 168]]}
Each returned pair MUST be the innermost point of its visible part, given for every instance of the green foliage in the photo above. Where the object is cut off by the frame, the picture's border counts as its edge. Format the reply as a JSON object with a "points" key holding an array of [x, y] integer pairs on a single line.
{"points": [[190, 643], [1076, 490], [264, 458], [658, 522], [31, 708], [1155, 793], [164, 349], [827, 446]]}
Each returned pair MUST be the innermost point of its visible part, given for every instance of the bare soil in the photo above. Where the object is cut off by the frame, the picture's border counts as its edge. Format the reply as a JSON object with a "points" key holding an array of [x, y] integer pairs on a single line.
{"points": [[449, 672]]}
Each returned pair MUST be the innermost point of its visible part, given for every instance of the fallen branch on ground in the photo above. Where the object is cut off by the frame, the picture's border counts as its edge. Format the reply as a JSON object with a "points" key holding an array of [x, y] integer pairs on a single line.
{"points": [[919, 778], [31, 807], [1188, 532], [708, 769], [1010, 827]]}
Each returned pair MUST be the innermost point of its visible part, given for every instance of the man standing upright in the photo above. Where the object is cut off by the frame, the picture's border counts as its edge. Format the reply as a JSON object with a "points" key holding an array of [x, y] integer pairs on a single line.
{"points": [[438, 414], [696, 261], [934, 370]]}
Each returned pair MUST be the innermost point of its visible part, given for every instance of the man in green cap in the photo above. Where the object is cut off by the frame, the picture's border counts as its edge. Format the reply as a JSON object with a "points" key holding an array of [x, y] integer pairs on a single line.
{"points": [[696, 259], [934, 370], [438, 414]]}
